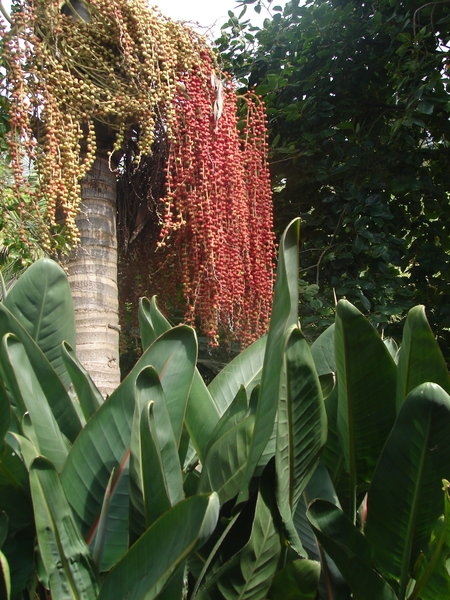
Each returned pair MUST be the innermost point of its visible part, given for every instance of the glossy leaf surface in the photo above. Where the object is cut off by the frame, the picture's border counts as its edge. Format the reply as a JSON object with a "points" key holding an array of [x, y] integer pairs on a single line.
{"points": [[224, 466], [65, 556], [299, 580], [42, 303], [284, 315], [47, 433], [89, 397], [430, 571], [420, 358], [405, 496], [249, 573], [150, 562], [366, 375], [350, 550], [55, 392], [302, 425], [104, 442], [244, 370]]}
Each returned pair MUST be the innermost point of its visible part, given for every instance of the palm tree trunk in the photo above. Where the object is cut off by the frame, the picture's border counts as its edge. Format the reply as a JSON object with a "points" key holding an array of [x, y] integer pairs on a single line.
{"points": [[92, 270]]}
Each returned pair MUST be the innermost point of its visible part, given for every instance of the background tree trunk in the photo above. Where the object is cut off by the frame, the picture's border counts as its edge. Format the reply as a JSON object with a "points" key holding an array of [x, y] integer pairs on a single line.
{"points": [[92, 271]]}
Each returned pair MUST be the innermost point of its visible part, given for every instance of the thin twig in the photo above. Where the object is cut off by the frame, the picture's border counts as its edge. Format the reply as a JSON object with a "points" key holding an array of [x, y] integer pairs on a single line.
{"points": [[4, 13]]}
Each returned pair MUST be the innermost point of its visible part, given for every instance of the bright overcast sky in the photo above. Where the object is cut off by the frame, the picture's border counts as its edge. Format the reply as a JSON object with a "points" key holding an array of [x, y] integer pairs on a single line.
{"points": [[211, 13], [208, 13]]}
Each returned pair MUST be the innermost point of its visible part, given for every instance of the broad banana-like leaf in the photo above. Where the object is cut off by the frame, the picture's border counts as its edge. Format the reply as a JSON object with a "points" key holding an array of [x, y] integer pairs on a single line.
{"points": [[152, 323], [66, 558], [111, 534], [5, 413], [319, 486], [202, 414], [89, 397], [100, 538], [104, 442], [284, 315], [225, 463], [298, 580], [50, 441], [405, 497], [244, 370], [302, 425], [420, 358], [332, 456], [249, 573], [151, 561], [332, 584], [15, 497], [322, 350], [174, 360], [235, 413], [392, 346], [156, 469], [42, 303], [204, 566], [366, 375], [176, 587], [430, 571], [55, 392], [350, 550]]}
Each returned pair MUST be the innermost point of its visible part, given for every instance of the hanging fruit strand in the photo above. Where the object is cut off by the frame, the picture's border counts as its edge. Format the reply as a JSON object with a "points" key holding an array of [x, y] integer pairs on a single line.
{"points": [[218, 213], [124, 81]]}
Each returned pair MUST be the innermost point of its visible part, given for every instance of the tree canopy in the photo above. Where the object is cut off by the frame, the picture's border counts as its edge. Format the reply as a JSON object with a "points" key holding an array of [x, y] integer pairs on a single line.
{"points": [[358, 102]]}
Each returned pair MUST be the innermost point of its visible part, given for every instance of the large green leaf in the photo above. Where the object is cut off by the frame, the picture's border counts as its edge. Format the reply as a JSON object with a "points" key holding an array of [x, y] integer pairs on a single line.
{"points": [[104, 442], [405, 497], [46, 432], [88, 395], [42, 303], [225, 463], [320, 486], [152, 323], [244, 370], [202, 414], [150, 562], [284, 315], [366, 375], [430, 571], [65, 556], [299, 580], [248, 574], [55, 392], [302, 425], [112, 530], [174, 355], [349, 549], [160, 475], [332, 455], [235, 413], [322, 351], [420, 358]]}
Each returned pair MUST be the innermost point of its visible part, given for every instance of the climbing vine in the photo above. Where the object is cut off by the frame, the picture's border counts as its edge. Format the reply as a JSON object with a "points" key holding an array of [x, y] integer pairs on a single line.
{"points": [[118, 78]]}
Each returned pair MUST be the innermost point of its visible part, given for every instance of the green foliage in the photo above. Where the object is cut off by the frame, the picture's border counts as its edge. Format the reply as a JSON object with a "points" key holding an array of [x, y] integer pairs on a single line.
{"points": [[358, 100], [170, 488]]}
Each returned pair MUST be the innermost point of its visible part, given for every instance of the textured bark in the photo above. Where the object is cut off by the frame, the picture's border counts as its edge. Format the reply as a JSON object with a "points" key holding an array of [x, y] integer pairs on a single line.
{"points": [[93, 278]]}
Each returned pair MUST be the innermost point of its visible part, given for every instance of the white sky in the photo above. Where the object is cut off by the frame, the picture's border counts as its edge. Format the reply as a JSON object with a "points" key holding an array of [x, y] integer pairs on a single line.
{"points": [[208, 13]]}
